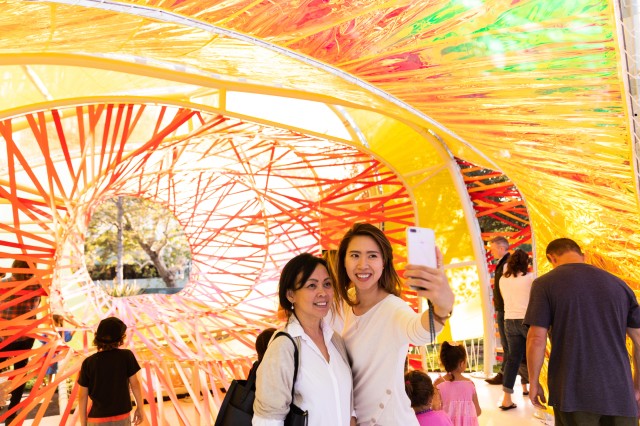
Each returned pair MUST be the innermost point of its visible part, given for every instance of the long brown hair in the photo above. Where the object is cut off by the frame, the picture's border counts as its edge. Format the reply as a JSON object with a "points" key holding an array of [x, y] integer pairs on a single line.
{"points": [[518, 262], [389, 280]]}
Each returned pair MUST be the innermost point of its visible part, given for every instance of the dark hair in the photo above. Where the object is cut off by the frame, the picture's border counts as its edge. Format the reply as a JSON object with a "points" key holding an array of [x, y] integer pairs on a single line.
{"points": [[294, 274], [110, 334], [389, 280], [21, 276], [500, 241], [331, 257], [518, 262], [560, 246], [451, 355], [262, 341], [419, 387], [108, 346], [58, 320]]}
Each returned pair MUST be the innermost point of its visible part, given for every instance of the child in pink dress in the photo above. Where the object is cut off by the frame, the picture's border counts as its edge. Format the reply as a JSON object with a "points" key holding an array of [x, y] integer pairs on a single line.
{"points": [[420, 391], [457, 393]]}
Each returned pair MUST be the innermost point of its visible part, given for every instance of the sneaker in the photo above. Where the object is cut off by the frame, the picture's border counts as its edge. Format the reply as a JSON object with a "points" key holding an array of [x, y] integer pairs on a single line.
{"points": [[495, 380]]}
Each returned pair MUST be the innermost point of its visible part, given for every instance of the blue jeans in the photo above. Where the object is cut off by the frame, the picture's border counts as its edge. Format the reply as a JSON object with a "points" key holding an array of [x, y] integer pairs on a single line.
{"points": [[503, 339], [516, 333]]}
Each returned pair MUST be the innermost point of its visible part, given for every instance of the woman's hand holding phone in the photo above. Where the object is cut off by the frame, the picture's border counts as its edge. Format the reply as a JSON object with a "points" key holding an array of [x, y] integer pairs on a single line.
{"points": [[425, 271], [431, 283]]}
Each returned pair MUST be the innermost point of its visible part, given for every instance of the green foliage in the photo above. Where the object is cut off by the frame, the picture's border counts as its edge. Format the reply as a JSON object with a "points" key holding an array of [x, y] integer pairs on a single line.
{"points": [[122, 289], [135, 271], [148, 227]]}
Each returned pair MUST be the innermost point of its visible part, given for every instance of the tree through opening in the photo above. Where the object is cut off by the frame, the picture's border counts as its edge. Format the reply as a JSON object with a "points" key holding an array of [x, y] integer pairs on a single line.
{"points": [[134, 246]]}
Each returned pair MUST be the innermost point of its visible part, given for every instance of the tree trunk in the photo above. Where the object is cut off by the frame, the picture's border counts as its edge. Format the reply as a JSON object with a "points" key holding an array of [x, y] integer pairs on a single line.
{"points": [[120, 253], [155, 256], [167, 275]]}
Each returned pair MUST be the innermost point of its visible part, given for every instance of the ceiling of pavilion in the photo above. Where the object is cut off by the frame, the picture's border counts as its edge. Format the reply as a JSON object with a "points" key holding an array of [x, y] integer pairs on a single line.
{"points": [[515, 86], [533, 88], [100, 98]]}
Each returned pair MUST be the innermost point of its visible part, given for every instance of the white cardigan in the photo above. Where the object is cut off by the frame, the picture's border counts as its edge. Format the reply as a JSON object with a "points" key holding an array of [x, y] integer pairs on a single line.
{"points": [[377, 343]]}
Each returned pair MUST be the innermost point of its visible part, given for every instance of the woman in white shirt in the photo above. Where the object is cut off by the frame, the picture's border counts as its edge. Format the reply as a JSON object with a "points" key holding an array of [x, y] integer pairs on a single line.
{"points": [[515, 286], [379, 326], [324, 385]]}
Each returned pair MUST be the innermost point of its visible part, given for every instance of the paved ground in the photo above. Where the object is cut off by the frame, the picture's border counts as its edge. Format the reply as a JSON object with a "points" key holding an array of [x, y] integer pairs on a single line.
{"points": [[489, 396]]}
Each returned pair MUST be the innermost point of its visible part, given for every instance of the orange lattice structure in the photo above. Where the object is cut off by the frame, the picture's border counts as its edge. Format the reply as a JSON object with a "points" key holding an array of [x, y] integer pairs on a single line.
{"points": [[245, 208], [268, 127]]}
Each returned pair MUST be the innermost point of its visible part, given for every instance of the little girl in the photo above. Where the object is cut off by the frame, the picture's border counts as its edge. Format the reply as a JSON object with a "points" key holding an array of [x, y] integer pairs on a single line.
{"points": [[458, 394], [420, 391]]}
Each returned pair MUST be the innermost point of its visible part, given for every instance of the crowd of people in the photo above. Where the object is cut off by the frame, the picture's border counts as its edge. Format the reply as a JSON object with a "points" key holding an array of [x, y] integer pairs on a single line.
{"points": [[376, 328], [353, 358], [350, 334]]}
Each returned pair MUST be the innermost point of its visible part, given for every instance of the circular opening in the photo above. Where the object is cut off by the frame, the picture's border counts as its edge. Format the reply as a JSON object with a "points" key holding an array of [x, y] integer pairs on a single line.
{"points": [[136, 246]]}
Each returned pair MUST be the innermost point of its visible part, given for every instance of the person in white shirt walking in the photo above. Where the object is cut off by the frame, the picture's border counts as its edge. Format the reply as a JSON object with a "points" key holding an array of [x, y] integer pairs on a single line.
{"points": [[515, 285]]}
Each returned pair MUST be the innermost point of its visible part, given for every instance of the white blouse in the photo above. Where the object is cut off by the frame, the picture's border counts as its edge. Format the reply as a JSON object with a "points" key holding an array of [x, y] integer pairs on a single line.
{"points": [[322, 388], [515, 292], [378, 343]]}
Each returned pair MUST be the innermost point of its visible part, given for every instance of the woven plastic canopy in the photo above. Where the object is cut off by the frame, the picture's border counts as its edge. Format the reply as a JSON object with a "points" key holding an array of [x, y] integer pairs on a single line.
{"points": [[269, 127]]}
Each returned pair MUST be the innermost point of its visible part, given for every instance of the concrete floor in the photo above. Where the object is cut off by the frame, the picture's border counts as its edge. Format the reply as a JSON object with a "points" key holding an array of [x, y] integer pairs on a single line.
{"points": [[490, 397]]}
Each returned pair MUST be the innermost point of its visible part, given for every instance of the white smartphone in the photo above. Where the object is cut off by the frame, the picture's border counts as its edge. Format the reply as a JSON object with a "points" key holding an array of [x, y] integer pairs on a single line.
{"points": [[421, 248]]}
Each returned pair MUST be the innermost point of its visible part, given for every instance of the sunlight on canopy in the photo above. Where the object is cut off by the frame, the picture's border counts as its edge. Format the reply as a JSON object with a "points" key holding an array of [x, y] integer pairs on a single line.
{"points": [[267, 128]]}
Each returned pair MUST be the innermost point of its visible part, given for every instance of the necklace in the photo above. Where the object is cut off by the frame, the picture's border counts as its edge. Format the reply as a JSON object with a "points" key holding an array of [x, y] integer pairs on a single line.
{"points": [[424, 411]]}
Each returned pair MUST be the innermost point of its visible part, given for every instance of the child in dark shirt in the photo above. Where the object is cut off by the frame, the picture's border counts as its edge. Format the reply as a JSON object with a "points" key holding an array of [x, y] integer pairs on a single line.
{"points": [[106, 376]]}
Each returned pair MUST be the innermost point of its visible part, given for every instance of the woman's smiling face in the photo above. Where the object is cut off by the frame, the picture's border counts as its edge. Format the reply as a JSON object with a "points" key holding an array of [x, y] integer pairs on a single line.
{"points": [[363, 262], [313, 299]]}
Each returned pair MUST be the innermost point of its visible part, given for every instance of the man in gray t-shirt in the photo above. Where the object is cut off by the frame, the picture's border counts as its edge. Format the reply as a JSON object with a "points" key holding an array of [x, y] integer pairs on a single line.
{"points": [[588, 313]]}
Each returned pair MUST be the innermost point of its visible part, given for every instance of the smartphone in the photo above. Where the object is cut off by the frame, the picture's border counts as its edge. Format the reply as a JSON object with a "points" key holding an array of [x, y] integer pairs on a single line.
{"points": [[421, 248]]}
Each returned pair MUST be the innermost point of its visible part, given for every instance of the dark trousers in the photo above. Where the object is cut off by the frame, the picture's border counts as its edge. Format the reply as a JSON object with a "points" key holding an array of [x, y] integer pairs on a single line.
{"points": [[517, 337], [19, 345], [583, 418], [522, 370], [503, 339]]}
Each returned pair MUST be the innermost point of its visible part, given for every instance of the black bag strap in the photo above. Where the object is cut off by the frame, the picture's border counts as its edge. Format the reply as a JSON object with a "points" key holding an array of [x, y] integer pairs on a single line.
{"points": [[251, 380], [295, 359]]}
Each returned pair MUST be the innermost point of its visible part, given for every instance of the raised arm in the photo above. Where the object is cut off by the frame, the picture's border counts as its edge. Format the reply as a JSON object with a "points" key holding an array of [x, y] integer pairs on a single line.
{"points": [[436, 289]]}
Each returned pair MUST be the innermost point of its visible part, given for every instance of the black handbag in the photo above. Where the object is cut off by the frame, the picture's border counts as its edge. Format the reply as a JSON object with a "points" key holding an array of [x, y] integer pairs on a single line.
{"points": [[237, 406]]}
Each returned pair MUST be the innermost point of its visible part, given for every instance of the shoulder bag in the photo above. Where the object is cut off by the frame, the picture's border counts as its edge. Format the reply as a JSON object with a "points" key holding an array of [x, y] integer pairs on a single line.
{"points": [[237, 406]]}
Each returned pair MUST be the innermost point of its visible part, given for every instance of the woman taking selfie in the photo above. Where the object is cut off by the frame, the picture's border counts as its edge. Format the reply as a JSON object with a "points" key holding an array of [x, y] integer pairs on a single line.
{"points": [[378, 326]]}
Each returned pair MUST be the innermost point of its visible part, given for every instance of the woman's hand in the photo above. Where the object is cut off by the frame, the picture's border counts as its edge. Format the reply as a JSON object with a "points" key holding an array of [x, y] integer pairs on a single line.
{"points": [[432, 283]]}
